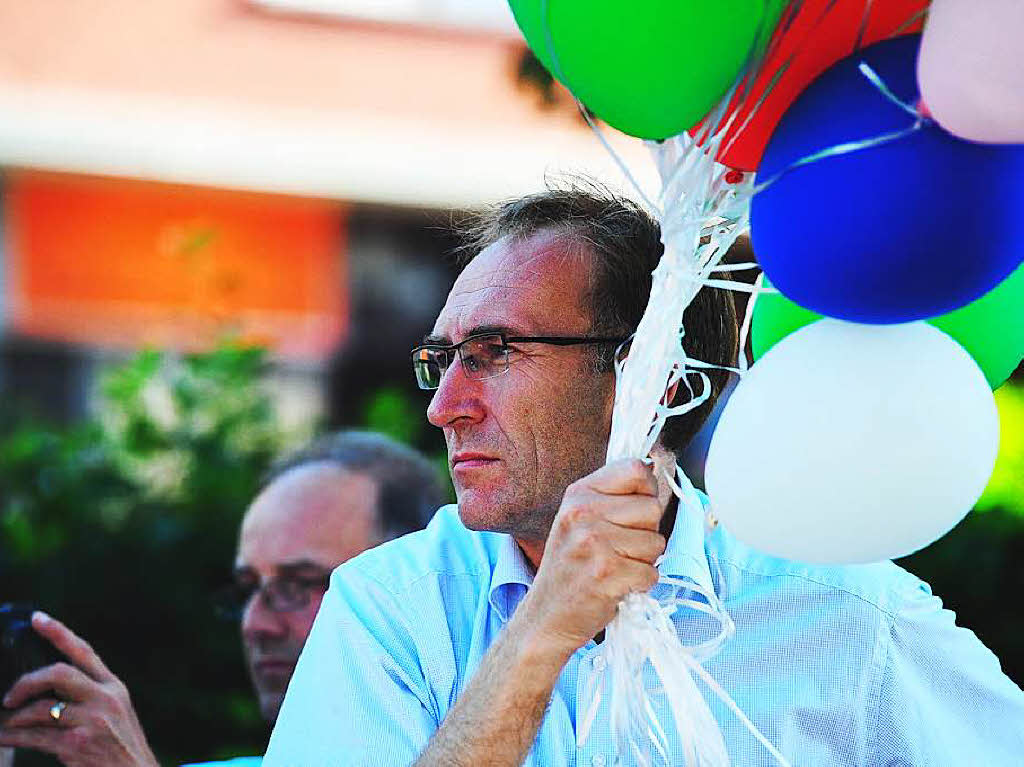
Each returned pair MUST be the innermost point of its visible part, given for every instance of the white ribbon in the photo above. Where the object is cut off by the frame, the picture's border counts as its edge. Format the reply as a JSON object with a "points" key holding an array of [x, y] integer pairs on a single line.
{"points": [[702, 210]]}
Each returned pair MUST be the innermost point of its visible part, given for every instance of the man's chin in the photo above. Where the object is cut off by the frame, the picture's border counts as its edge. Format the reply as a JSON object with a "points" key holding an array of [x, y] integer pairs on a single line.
{"points": [[499, 514], [482, 511], [270, 706], [270, 690]]}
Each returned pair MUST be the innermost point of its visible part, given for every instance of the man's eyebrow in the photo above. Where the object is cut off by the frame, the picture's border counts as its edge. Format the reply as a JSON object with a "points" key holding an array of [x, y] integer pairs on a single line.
{"points": [[505, 330], [286, 568], [297, 566], [476, 330]]}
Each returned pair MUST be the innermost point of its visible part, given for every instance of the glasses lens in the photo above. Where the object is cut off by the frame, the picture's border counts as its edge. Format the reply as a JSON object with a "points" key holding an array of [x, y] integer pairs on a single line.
{"points": [[289, 593], [428, 370], [285, 594], [484, 357]]}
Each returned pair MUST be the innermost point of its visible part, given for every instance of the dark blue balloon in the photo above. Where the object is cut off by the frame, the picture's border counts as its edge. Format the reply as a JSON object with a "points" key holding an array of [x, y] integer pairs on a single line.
{"points": [[897, 232]]}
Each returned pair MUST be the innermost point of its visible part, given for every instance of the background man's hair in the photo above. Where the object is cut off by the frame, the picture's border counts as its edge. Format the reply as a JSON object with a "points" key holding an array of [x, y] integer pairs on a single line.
{"points": [[408, 485], [625, 242]]}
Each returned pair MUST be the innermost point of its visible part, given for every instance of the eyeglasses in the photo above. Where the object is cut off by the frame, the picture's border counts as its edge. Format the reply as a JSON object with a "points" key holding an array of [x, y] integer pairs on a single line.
{"points": [[282, 594], [483, 356]]}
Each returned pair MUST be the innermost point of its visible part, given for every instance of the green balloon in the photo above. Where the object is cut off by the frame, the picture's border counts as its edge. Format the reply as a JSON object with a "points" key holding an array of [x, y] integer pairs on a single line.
{"points": [[991, 329], [651, 68]]}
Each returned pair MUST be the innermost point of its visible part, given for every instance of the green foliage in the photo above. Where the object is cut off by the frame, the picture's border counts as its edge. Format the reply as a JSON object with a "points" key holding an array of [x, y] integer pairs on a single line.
{"points": [[1005, 489], [976, 570], [393, 412], [125, 525]]}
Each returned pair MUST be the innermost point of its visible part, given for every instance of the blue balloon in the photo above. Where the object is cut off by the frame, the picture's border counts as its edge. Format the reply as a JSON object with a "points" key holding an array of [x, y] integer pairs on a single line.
{"points": [[900, 231]]}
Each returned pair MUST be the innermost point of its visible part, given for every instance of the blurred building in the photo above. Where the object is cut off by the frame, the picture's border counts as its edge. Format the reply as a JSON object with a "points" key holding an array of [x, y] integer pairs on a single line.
{"points": [[282, 170]]}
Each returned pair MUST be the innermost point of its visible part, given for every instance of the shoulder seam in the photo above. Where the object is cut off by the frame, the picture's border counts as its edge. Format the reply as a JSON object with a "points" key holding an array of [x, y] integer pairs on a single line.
{"points": [[397, 590], [883, 609]]}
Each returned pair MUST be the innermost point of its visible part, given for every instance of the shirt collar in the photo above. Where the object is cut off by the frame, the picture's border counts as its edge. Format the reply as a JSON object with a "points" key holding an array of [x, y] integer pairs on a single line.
{"points": [[511, 578], [684, 557]]}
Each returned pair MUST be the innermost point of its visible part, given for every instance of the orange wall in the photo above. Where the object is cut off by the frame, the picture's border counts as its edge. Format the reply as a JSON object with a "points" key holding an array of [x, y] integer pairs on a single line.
{"points": [[128, 262]]}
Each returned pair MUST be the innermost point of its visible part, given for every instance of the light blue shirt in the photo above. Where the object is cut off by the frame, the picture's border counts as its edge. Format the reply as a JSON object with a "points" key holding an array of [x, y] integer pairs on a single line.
{"points": [[851, 665]]}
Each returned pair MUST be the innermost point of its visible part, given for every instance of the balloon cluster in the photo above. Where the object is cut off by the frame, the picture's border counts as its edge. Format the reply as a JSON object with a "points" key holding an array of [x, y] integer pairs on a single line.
{"points": [[889, 192]]}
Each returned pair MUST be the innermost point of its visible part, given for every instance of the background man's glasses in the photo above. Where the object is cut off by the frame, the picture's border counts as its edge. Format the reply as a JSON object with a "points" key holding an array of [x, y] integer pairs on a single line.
{"points": [[282, 594], [482, 356]]}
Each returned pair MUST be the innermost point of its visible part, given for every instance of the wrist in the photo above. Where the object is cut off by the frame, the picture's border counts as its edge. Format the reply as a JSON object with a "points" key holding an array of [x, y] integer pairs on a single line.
{"points": [[538, 643]]}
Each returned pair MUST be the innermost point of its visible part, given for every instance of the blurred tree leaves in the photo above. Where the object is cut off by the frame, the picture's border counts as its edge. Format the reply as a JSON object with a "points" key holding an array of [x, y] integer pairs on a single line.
{"points": [[124, 526], [1005, 489]]}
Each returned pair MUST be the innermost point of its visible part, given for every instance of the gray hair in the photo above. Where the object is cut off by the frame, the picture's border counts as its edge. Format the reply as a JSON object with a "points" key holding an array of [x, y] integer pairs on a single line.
{"points": [[408, 485]]}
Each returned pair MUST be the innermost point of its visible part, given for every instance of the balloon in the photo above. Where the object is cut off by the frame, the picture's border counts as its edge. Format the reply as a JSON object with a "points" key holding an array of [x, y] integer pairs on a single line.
{"points": [[991, 329], [809, 39], [904, 230], [970, 68], [849, 443], [651, 68]]}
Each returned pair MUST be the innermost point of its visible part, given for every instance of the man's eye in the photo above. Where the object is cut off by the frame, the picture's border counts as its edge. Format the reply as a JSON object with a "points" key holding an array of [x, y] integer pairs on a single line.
{"points": [[471, 361]]}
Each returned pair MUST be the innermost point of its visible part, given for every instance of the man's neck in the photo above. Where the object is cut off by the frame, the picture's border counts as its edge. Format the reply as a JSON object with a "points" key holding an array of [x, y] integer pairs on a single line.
{"points": [[533, 550]]}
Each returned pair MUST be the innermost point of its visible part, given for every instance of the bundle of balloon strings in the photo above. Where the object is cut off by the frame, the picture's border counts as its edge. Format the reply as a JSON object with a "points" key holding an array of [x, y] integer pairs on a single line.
{"points": [[703, 208], [703, 211]]}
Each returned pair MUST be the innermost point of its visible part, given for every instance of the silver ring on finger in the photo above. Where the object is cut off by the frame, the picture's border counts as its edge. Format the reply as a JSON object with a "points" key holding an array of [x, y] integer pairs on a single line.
{"points": [[57, 710]]}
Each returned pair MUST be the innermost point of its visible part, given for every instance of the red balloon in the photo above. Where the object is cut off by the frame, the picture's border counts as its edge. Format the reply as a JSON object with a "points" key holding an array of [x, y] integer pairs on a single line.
{"points": [[812, 35]]}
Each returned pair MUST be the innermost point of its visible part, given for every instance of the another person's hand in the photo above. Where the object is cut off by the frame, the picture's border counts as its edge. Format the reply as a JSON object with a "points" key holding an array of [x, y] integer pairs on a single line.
{"points": [[77, 711], [602, 546]]}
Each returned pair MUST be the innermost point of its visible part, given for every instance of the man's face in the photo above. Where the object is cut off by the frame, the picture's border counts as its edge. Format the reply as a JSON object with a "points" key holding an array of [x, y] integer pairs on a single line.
{"points": [[306, 523], [516, 441]]}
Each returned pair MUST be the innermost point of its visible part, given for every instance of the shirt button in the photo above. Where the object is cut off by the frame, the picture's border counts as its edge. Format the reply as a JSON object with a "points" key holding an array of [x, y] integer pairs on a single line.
{"points": [[598, 760], [599, 664]]}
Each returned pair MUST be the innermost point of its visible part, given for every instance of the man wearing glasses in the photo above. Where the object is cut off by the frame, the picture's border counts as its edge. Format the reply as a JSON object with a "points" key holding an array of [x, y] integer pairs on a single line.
{"points": [[480, 640], [318, 507]]}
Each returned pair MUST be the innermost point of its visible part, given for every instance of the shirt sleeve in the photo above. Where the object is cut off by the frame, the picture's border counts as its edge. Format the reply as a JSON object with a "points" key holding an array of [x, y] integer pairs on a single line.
{"points": [[943, 698], [358, 695]]}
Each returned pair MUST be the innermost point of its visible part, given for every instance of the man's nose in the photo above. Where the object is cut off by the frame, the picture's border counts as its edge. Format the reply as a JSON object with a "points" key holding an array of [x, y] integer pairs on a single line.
{"points": [[259, 620], [456, 398]]}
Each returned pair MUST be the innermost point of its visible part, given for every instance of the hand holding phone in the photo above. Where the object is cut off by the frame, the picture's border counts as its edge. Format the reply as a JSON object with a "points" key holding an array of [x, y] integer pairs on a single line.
{"points": [[21, 649], [75, 709]]}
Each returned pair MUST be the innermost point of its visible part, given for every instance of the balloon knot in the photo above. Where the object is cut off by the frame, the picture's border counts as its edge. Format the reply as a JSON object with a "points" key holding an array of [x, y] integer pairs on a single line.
{"points": [[734, 177]]}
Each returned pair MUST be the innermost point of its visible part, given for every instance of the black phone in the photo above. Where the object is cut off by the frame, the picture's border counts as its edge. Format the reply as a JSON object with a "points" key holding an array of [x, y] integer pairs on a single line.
{"points": [[21, 648]]}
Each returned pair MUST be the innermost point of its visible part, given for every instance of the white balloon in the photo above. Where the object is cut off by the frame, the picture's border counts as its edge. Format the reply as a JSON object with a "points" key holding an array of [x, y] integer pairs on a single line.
{"points": [[853, 443]]}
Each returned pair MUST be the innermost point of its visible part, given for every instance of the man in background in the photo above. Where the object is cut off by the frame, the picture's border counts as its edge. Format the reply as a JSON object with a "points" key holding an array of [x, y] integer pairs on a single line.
{"points": [[318, 507]]}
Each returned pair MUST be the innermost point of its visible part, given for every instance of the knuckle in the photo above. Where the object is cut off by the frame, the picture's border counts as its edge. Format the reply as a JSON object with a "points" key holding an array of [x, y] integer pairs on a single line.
{"points": [[108, 700], [603, 568], [587, 543], [119, 691], [77, 738], [636, 466], [575, 488], [62, 672], [579, 514]]}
